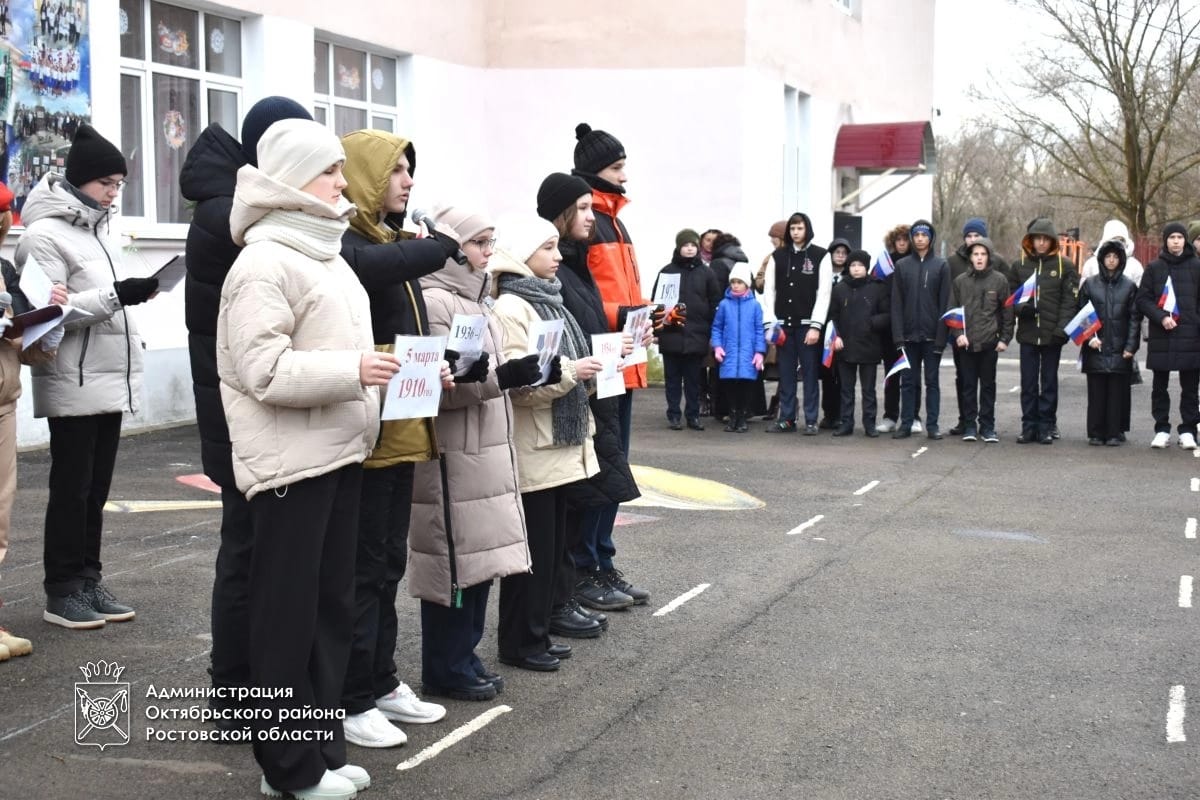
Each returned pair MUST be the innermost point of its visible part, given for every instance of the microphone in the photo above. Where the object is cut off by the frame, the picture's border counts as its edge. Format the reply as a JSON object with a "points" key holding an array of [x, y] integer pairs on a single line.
{"points": [[419, 216]]}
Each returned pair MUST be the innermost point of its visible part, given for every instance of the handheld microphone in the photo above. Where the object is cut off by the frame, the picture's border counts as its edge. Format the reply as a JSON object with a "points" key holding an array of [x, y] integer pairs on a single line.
{"points": [[419, 216]]}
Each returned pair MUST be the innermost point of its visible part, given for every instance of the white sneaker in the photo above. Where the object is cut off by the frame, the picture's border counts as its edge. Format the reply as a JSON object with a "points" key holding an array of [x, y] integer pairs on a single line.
{"points": [[1187, 441], [1162, 439], [403, 705], [371, 729], [356, 775], [331, 787], [886, 426], [917, 427]]}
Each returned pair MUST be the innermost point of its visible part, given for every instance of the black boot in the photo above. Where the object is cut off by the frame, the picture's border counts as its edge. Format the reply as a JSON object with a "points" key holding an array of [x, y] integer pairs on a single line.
{"points": [[742, 427]]}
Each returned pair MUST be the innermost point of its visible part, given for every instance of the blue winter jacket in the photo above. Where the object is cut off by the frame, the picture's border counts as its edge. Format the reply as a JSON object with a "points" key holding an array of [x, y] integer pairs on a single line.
{"points": [[738, 328]]}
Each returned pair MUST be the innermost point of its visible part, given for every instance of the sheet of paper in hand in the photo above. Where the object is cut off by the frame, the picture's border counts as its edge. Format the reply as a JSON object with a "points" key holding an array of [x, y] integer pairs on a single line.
{"points": [[466, 339], [609, 380], [636, 323], [667, 292], [416, 390], [171, 274], [35, 283], [545, 335], [33, 331]]}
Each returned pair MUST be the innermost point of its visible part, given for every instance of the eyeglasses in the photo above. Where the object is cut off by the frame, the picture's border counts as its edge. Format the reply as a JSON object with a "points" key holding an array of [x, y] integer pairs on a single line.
{"points": [[482, 244], [110, 185]]}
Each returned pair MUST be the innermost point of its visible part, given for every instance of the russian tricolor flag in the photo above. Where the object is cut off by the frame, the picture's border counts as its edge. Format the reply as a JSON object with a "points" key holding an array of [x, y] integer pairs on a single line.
{"points": [[883, 266], [900, 365], [1023, 293], [830, 335], [1167, 300], [956, 318], [1083, 325]]}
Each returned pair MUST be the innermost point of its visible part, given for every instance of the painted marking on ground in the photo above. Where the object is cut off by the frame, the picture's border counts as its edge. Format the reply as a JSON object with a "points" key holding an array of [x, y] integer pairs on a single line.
{"points": [[919, 452], [627, 518], [1011, 536], [819, 539], [666, 489], [683, 598], [1196, 484], [1189, 530], [1185, 591], [454, 737], [139, 506], [199, 481], [1176, 710], [1196, 454], [803, 526], [865, 489]]}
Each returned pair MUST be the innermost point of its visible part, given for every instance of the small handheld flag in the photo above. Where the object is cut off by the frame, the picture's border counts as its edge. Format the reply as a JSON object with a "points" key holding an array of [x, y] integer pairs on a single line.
{"points": [[900, 365], [776, 335], [956, 318], [1023, 293], [830, 335], [883, 266], [1083, 325], [1167, 300]]}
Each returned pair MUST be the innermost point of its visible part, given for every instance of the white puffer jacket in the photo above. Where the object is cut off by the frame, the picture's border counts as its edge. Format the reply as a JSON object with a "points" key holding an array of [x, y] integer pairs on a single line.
{"points": [[99, 365], [293, 325]]}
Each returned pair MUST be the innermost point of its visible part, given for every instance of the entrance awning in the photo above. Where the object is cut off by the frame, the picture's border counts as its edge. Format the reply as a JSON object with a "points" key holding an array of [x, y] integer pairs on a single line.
{"points": [[904, 147]]}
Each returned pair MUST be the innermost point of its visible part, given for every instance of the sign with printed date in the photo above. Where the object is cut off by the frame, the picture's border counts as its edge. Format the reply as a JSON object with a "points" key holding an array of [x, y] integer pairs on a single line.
{"points": [[415, 391], [466, 339], [666, 293], [607, 348], [636, 322], [545, 335]]}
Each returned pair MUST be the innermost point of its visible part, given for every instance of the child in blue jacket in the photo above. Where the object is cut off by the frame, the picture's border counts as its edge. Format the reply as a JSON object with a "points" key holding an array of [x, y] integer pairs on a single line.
{"points": [[739, 345]]}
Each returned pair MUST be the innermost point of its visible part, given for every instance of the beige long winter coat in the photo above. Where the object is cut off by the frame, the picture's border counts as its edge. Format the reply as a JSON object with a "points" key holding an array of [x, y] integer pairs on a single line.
{"points": [[99, 365], [480, 495], [540, 463], [293, 325]]}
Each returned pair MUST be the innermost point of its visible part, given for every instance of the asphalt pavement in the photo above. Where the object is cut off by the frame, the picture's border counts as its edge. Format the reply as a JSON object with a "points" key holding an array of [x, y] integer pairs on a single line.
{"points": [[897, 619]]}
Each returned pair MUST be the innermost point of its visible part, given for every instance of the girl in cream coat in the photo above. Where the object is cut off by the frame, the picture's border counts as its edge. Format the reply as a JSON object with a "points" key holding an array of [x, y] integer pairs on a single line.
{"points": [[554, 429]]}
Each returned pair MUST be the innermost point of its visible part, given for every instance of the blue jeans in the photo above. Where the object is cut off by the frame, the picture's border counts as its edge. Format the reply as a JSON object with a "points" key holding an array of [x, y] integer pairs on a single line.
{"points": [[791, 353], [1039, 386], [596, 524], [923, 357]]}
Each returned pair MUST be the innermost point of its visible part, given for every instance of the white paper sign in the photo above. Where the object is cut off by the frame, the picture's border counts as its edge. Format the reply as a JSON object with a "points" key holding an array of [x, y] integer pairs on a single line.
{"points": [[466, 339], [666, 293], [607, 348], [545, 335], [35, 283], [636, 323], [415, 391], [34, 332]]}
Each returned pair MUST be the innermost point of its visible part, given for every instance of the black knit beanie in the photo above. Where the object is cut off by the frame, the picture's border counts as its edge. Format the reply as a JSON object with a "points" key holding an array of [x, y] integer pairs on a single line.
{"points": [[92, 156], [859, 256], [595, 150], [1174, 227], [558, 193], [264, 114]]}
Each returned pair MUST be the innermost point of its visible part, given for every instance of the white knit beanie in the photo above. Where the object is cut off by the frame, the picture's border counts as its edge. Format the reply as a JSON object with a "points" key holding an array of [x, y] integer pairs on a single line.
{"points": [[741, 272], [295, 151], [467, 224], [522, 235]]}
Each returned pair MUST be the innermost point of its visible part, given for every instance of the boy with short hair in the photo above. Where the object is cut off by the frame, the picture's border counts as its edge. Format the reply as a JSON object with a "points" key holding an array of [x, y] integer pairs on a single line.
{"points": [[986, 332], [920, 294], [859, 310]]}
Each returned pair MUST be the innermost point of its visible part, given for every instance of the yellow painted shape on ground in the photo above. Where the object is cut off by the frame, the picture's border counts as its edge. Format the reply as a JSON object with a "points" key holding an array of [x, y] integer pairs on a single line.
{"points": [[139, 506], [665, 489]]}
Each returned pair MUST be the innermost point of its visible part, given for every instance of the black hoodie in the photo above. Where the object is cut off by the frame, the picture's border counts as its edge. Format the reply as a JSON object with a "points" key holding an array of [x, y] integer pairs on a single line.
{"points": [[1177, 349], [798, 291], [1114, 298]]}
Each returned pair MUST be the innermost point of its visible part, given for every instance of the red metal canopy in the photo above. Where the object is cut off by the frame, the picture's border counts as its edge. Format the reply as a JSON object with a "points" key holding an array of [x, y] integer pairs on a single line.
{"points": [[903, 146]]}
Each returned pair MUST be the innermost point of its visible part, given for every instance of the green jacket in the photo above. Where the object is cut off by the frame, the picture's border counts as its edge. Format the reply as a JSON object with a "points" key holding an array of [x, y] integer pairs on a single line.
{"points": [[1040, 321]]}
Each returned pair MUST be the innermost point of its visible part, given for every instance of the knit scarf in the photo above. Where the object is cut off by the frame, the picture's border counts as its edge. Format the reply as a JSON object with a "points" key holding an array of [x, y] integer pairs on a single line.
{"points": [[318, 238], [569, 413]]}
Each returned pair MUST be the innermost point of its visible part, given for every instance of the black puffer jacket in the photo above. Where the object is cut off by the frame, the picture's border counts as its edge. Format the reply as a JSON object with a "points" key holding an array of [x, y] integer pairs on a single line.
{"points": [[1040, 321], [724, 257], [1177, 349], [859, 309], [614, 483], [208, 178], [920, 295], [389, 272], [1114, 298], [700, 292]]}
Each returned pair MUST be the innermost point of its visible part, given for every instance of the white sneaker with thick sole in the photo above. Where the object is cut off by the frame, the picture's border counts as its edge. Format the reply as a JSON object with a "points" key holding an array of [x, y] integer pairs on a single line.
{"points": [[371, 729], [1161, 440], [356, 775], [917, 427], [403, 705], [887, 426], [331, 787], [1187, 441]]}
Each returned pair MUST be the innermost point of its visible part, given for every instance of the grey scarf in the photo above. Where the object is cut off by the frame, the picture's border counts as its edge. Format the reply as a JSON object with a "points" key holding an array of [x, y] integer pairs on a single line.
{"points": [[569, 413]]}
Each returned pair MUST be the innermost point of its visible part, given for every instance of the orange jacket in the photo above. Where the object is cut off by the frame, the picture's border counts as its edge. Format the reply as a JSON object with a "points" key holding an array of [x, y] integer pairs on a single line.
{"points": [[614, 266]]}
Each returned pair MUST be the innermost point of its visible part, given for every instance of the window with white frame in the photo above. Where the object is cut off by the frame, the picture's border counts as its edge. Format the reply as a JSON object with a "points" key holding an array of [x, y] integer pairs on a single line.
{"points": [[355, 89], [181, 69]]}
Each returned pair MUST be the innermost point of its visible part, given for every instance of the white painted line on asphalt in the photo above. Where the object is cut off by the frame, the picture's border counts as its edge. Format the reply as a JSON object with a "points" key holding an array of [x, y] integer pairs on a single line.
{"points": [[1176, 708], [819, 539], [1189, 530], [1185, 591], [1196, 484], [454, 737], [1014, 390], [176, 560], [919, 452], [1196, 454], [803, 526], [866, 488], [683, 598]]}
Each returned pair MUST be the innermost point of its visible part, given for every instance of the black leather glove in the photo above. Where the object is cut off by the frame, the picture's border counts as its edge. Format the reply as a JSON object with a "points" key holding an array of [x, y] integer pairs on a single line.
{"points": [[132, 291], [452, 357], [518, 372], [477, 373], [448, 244], [555, 371]]}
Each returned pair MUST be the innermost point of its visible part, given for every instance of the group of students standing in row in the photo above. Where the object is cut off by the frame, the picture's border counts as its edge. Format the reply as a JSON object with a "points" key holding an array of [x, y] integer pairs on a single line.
{"points": [[301, 273], [834, 315]]}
